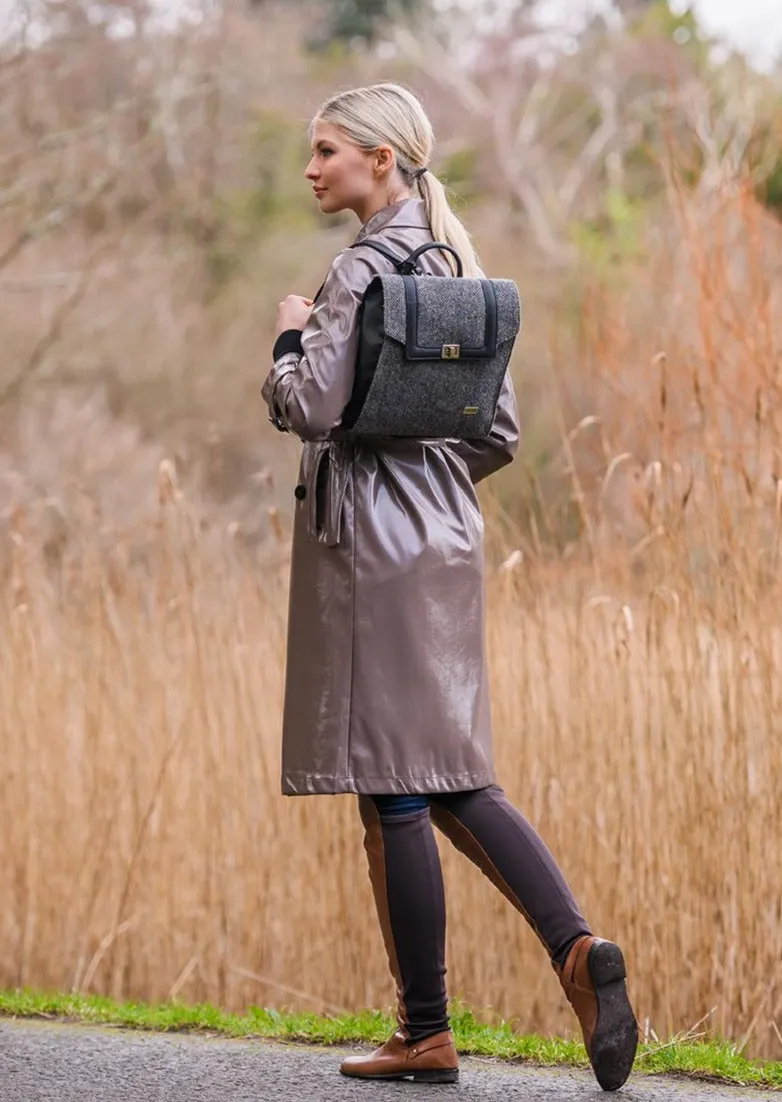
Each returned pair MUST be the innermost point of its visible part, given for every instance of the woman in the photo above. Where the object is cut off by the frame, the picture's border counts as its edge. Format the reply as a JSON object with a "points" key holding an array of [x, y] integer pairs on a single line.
{"points": [[386, 686]]}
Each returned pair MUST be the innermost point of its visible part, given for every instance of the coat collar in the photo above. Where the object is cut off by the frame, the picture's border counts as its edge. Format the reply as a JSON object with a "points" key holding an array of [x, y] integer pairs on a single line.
{"points": [[406, 212]]}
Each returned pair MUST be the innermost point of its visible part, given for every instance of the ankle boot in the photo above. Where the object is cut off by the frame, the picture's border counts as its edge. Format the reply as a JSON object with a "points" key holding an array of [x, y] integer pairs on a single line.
{"points": [[433, 1060], [593, 979]]}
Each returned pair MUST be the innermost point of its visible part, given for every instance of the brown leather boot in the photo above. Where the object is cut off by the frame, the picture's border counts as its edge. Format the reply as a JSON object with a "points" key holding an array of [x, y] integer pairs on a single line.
{"points": [[593, 978], [433, 1060]]}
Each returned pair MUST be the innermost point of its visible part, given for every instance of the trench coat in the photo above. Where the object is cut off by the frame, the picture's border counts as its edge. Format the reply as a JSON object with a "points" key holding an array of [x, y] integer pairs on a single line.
{"points": [[386, 687]]}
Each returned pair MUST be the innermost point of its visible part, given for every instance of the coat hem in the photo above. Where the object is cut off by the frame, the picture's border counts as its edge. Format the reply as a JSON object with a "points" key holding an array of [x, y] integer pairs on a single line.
{"points": [[314, 784]]}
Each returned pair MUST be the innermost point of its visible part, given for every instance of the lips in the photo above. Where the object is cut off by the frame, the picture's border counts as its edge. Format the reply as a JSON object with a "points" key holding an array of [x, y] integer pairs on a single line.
{"points": [[319, 190]]}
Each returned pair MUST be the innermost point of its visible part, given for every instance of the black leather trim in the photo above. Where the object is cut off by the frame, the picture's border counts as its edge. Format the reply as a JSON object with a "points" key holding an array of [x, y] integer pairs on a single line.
{"points": [[288, 341], [415, 351], [370, 323]]}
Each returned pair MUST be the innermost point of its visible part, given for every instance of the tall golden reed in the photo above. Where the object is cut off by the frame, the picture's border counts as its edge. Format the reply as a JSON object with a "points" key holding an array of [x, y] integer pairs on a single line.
{"points": [[145, 851]]}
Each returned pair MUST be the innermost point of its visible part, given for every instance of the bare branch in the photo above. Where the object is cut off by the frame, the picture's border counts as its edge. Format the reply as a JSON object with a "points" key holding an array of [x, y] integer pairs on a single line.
{"points": [[596, 145], [421, 47], [13, 388], [529, 123], [55, 218]]}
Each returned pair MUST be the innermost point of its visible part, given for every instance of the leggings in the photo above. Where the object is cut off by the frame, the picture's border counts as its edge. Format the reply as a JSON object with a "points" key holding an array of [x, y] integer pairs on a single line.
{"points": [[407, 882]]}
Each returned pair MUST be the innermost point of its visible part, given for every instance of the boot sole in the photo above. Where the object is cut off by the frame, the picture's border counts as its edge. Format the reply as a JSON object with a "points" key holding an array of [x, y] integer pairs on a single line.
{"points": [[616, 1034], [436, 1075]]}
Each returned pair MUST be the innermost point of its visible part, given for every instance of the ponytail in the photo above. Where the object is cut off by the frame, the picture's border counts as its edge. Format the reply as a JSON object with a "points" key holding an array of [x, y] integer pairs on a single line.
{"points": [[445, 225]]}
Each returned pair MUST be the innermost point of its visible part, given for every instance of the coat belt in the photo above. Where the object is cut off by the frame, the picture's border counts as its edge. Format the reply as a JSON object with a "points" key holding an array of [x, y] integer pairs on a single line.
{"points": [[324, 516]]}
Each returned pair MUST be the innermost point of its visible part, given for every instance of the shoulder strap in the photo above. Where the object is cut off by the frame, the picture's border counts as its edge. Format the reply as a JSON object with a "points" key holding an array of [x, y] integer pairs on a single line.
{"points": [[409, 264], [404, 265], [399, 263]]}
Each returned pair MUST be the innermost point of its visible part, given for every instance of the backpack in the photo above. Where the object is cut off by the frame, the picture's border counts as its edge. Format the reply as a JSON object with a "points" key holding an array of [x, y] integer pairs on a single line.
{"points": [[432, 351]]}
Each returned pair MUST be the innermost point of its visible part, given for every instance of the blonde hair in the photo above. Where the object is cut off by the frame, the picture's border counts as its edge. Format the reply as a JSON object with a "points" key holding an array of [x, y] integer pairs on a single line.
{"points": [[389, 114]]}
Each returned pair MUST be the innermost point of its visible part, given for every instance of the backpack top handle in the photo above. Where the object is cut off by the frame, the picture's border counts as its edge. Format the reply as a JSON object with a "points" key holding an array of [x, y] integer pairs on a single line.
{"points": [[413, 257], [409, 265]]}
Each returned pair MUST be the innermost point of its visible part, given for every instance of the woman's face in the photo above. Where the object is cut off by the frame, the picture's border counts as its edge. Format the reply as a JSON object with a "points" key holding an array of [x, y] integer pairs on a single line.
{"points": [[343, 176]]}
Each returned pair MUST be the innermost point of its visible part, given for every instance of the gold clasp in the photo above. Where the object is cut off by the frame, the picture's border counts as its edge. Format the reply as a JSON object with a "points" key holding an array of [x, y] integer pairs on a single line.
{"points": [[451, 352]]}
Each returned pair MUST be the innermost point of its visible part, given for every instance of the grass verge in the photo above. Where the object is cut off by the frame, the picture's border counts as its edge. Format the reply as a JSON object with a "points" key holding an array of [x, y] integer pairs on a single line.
{"points": [[716, 1060]]}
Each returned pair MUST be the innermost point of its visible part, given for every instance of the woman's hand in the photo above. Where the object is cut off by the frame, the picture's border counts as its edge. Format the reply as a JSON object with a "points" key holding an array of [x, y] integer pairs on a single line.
{"points": [[293, 313]]}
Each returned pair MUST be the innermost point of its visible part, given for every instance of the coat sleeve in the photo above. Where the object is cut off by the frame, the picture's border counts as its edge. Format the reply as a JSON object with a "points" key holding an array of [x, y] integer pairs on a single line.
{"points": [[312, 378], [487, 455]]}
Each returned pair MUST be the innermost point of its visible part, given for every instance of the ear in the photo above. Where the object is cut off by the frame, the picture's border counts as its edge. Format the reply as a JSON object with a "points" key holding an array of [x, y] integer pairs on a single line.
{"points": [[384, 160]]}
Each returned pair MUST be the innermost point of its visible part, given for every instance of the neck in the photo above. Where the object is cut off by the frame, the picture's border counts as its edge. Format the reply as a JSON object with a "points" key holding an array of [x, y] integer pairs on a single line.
{"points": [[370, 207]]}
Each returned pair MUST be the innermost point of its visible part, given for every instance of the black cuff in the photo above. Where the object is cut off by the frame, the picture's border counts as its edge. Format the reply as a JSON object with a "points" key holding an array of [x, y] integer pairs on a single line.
{"points": [[289, 341]]}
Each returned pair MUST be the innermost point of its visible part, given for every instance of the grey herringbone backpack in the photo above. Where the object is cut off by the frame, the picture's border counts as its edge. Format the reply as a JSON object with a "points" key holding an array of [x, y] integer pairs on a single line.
{"points": [[432, 352]]}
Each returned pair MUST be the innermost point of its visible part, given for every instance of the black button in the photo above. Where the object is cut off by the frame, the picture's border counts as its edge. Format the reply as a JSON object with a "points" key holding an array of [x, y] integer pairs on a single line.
{"points": [[300, 492]]}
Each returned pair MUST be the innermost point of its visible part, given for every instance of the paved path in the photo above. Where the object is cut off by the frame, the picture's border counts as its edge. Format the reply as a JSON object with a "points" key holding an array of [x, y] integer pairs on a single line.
{"points": [[52, 1062]]}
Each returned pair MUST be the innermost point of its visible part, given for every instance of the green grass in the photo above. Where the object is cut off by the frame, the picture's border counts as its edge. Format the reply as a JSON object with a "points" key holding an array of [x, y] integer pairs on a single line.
{"points": [[716, 1060]]}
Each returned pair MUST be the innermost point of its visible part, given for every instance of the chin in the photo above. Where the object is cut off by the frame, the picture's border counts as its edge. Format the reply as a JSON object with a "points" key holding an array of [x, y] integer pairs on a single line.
{"points": [[329, 205]]}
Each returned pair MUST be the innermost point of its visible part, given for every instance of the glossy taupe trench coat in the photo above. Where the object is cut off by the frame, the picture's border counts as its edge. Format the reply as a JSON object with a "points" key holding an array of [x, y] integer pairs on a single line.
{"points": [[386, 685]]}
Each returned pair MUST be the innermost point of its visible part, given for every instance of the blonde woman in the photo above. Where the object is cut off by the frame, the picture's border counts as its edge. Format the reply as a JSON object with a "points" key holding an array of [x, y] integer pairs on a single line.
{"points": [[386, 687]]}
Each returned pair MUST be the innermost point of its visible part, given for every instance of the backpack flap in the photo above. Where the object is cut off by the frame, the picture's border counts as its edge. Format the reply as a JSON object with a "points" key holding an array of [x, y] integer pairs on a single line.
{"points": [[437, 318], [469, 325]]}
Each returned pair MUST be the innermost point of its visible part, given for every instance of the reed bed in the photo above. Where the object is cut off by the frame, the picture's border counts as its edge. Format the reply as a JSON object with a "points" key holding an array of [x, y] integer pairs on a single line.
{"points": [[145, 851]]}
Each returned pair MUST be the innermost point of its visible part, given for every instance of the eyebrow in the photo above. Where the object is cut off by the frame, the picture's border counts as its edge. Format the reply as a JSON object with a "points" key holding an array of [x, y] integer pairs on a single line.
{"points": [[322, 142]]}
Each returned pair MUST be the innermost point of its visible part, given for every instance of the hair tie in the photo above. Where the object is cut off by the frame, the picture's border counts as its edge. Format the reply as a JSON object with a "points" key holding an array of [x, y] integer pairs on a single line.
{"points": [[419, 173]]}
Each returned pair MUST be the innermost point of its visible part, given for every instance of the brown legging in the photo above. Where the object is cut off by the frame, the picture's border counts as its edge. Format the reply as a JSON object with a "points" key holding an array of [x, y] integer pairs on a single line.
{"points": [[407, 881]]}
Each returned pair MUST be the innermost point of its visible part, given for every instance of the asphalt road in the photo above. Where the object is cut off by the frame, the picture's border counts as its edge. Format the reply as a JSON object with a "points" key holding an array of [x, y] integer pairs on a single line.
{"points": [[52, 1062]]}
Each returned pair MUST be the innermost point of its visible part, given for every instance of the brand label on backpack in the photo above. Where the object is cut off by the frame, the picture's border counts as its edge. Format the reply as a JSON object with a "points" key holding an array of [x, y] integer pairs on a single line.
{"points": [[451, 352]]}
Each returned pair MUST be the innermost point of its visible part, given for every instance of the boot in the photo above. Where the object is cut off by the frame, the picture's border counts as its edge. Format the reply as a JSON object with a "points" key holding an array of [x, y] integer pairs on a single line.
{"points": [[593, 979], [433, 1060]]}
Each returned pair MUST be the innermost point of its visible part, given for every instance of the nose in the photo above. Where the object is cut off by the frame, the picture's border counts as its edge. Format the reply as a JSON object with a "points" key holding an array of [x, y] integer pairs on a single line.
{"points": [[311, 172]]}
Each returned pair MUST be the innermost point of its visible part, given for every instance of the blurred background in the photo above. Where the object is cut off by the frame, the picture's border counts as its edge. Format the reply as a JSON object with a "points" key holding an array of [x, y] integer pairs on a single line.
{"points": [[623, 163]]}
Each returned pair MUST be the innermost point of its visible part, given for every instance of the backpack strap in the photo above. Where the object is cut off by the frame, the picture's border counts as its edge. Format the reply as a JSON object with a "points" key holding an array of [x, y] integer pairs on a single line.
{"points": [[409, 265], [404, 265], [398, 261]]}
